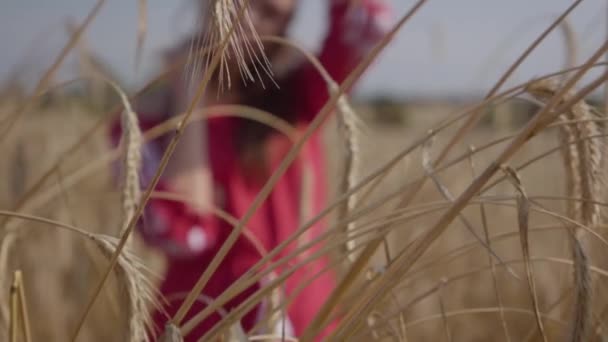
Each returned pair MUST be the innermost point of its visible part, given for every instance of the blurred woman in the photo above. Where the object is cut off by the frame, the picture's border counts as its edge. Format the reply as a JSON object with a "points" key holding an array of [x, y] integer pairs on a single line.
{"points": [[225, 161]]}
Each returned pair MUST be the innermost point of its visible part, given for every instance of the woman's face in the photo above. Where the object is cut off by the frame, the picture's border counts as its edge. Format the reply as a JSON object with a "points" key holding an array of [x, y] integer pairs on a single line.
{"points": [[271, 17]]}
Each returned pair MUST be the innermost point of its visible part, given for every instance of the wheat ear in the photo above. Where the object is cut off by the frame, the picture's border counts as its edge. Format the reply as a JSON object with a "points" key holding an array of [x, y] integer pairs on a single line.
{"points": [[132, 273], [350, 125], [131, 140], [583, 160], [244, 45]]}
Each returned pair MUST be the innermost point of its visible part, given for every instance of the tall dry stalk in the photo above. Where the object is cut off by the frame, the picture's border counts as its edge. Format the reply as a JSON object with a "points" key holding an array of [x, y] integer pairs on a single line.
{"points": [[523, 220], [20, 323], [583, 160], [484, 222], [142, 28]]}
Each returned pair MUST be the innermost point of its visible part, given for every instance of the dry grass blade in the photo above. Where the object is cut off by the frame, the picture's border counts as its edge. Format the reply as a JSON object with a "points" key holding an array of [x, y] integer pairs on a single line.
{"points": [[20, 323], [15, 318], [427, 164], [582, 281], [23, 307], [444, 317], [523, 216], [481, 311], [570, 43], [6, 246], [306, 202], [142, 28], [141, 292], [484, 223], [565, 294], [91, 68]]}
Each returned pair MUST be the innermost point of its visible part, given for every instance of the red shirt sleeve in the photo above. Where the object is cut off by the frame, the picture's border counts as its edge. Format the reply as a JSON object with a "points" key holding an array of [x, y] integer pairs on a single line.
{"points": [[353, 32]]}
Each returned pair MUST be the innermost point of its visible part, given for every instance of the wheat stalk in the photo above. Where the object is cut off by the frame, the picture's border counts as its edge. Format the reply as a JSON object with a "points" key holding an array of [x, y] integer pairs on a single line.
{"points": [[484, 223], [523, 220], [19, 316], [142, 28], [583, 160]]}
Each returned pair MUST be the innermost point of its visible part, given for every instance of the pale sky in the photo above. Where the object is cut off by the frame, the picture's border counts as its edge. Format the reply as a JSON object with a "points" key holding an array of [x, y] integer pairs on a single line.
{"points": [[451, 47]]}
